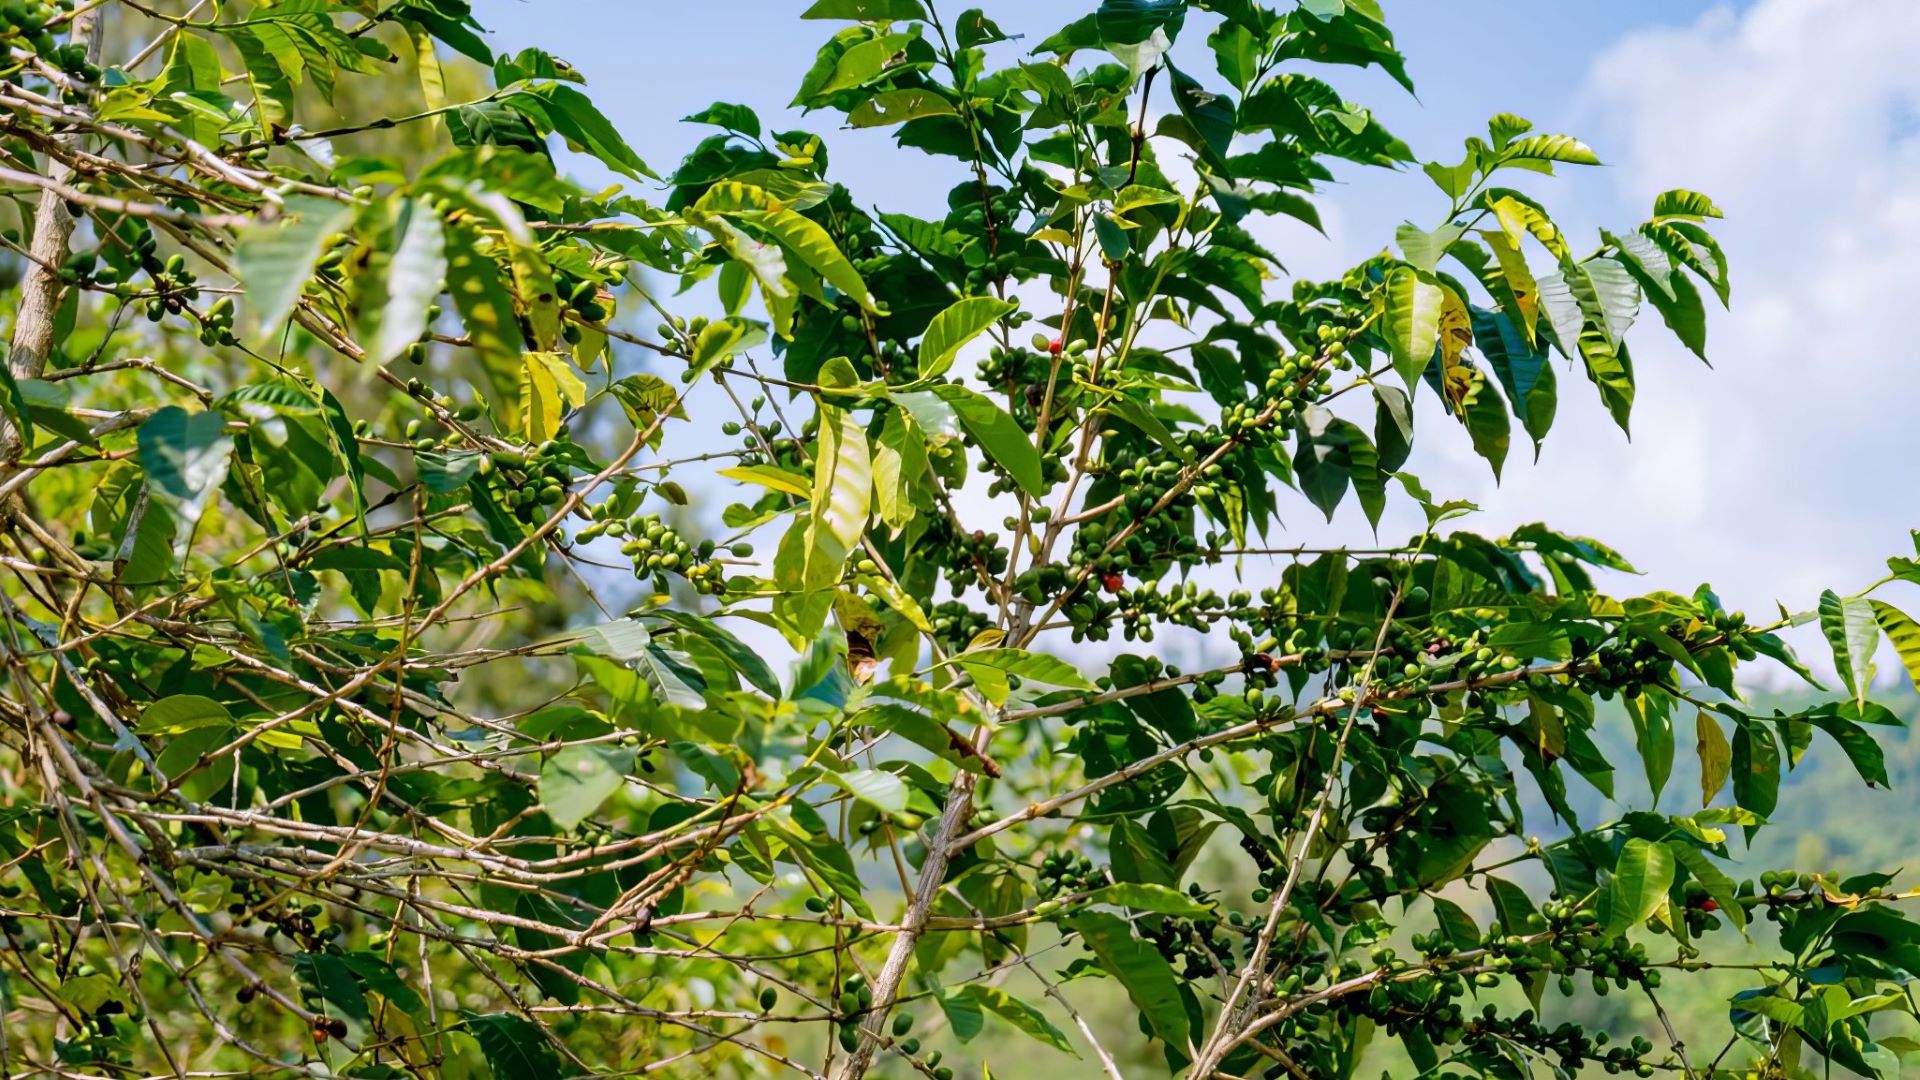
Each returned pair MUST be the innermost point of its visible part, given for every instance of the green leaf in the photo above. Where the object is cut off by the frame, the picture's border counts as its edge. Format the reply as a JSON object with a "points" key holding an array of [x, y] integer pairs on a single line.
{"points": [[1210, 115], [746, 661], [953, 328], [1755, 769], [1640, 882], [577, 779], [1112, 236], [1141, 970], [1144, 896], [1488, 422], [1522, 369], [485, 304], [899, 468], [1563, 148], [1038, 667], [1683, 203], [575, 118], [1718, 885], [273, 260], [810, 243], [1455, 923], [1004, 440], [1412, 320], [1854, 635], [1861, 750], [865, 10], [877, 788], [274, 67], [1652, 715], [185, 457], [414, 276], [672, 676], [1021, 1015], [515, 1048], [182, 712], [898, 107]]}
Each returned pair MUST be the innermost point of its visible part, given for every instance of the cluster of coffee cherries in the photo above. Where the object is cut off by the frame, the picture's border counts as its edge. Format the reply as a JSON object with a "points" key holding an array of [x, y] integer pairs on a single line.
{"points": [[174, 284], [1063, 873], [1201, 945], [1623, 665], [657, 551], [1560, 939], [962, 556], [1021, 372], [968, 214], [581, 293], [1141, 607], [24, 24], [529, 483], [957, 623]]}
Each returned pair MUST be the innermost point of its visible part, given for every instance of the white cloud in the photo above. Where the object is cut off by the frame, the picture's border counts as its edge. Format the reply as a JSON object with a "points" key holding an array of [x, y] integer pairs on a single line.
{"points": [[1783, 471]]}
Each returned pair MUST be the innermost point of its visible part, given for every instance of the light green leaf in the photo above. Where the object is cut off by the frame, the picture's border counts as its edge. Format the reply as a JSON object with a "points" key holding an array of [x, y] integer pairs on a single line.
{"points": [[273, 260], [577, 779], [1414, 302], [953, 328], [1143, 896], [1854, 635], [1640, 882], [865, 10], [898, 107], [185, 456], [842, 479], [877, 788], [1424, 249], [1004, 440], [1683, 203], [772, 477], [899, 468], [1563, 148], [414, 275], [1038, 667], [811, 245]]}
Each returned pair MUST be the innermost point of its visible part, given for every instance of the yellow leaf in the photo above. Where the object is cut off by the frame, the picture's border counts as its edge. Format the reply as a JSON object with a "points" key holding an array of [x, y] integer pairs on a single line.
{"points": [[548, 388]]}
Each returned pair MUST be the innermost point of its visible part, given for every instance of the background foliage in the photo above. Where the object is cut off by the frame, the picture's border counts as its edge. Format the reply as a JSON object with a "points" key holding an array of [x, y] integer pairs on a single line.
{"points": [[432, 650]]}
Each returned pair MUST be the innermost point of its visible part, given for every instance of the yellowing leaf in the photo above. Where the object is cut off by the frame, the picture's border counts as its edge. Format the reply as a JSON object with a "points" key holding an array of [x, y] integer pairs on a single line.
{"points": [[548, 388], [768, 476], [1715, 756]]}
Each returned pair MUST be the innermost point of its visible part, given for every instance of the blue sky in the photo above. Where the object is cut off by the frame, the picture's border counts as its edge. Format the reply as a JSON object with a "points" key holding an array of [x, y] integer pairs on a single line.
{"points": [[1779, 473]]}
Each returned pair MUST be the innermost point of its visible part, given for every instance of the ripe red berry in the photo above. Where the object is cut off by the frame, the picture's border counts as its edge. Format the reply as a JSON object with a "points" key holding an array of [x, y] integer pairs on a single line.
{"points": [[1054, 346], [1111, 581], [1709, 905]]}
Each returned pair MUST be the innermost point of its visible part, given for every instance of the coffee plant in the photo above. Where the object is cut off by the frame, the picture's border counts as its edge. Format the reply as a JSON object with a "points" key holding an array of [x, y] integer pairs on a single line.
{"points": [[457, 621]]}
